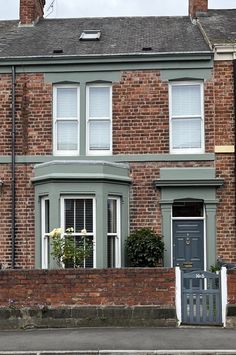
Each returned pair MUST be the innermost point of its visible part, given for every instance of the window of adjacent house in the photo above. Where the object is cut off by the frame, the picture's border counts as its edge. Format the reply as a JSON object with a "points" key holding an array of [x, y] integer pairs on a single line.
{"points": [[45, 233], [186, 117], [99, 119], [113, 232], [66, 120], [79, 213]]}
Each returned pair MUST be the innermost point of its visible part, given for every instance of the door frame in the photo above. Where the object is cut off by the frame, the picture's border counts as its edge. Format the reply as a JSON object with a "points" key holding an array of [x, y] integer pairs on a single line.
{"points": [[204, 233]]}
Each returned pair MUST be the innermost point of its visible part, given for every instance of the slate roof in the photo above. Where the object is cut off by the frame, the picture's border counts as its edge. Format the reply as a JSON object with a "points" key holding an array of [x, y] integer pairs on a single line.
{"points": [[220, 26], [119, 36]]}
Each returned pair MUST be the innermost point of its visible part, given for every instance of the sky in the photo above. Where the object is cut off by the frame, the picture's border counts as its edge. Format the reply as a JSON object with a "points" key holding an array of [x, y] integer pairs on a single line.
{"points": [[78, 8]]}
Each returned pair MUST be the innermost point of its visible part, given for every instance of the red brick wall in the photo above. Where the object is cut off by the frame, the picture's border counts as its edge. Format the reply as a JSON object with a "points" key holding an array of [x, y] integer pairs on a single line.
{"points": [[140, 114], [140, 125], [231, 286], [225, 163], [145, 208], [30, 10], [88, 287], [25, 235]]}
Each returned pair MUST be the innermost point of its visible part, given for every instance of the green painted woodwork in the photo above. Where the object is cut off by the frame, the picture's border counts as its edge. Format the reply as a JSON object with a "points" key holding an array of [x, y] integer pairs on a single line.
{"points": [[187, 173], [191, 190], [177, 61], [95, 186], [180, 74], [83, 77], [34, 159], [104, 62]]}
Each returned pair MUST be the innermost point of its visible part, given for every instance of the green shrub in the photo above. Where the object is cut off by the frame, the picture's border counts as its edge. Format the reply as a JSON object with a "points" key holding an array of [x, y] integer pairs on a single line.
{"points": [[144, 248], [65, 250]]}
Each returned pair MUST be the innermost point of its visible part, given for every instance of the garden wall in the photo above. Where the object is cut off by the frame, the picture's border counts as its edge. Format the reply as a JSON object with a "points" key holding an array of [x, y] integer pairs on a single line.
{"points": [[231, 311], [87, 297]]}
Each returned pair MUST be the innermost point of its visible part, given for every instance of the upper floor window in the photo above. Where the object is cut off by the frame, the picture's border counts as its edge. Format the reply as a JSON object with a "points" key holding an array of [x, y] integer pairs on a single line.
{"points": [[186, 117], [66, 120], [99, 119]]}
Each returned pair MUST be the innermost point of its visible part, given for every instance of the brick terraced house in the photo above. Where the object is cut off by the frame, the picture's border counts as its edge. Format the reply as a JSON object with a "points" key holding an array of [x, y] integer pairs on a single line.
{"points": [[113, 124]]}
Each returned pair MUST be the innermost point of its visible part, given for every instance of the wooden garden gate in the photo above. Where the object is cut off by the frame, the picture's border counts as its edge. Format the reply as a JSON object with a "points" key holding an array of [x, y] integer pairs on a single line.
{"points": [[201, 298]]}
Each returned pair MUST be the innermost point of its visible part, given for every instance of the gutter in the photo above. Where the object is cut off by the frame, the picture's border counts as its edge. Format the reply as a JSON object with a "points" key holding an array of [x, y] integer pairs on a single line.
{"points": [[13, 167], [104, 58]]}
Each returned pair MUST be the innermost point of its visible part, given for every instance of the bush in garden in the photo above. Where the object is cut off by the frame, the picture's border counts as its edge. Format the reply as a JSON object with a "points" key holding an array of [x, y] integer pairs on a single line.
{"points": [[144, 248]]}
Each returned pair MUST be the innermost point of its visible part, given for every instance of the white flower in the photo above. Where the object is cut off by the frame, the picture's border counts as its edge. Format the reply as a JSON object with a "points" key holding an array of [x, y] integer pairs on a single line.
{"points": [[84, 231], [70, 230], [55, 232]]}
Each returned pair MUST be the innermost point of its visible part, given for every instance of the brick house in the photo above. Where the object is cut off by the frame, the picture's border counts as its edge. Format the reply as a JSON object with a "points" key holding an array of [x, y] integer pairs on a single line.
{"points": [[113, 124]]}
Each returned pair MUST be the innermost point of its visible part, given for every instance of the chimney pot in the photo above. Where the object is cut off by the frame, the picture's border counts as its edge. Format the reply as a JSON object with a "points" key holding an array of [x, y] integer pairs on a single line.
{"points": [[31, 11], [196, 6]]}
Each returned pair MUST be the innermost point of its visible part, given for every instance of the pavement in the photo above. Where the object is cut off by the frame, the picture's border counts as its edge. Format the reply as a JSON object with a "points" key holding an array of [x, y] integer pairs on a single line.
{"points": [[116, 341]]}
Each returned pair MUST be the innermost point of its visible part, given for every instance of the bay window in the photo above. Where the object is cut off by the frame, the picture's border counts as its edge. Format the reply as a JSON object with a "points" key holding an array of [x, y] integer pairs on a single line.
{"points": [[79, 213], [45, 229], [113, 232], [186, 117]]}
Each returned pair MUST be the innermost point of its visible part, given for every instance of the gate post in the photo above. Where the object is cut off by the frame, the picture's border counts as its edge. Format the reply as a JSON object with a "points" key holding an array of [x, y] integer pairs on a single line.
{"points": [[224, 294], [178, 294]]}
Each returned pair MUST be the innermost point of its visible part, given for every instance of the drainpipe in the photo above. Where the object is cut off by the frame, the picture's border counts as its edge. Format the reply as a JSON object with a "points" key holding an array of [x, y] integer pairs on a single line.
{"points": [[234, 74], [234, 78], [13, 167]]}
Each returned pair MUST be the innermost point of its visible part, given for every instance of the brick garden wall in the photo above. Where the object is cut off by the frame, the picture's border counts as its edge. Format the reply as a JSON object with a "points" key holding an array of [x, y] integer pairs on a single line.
{"points": [[81, 287], [231, 286]]}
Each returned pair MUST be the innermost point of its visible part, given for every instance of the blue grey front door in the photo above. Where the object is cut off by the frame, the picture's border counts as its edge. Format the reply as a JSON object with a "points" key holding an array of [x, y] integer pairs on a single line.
{"points": [[188, 244]]}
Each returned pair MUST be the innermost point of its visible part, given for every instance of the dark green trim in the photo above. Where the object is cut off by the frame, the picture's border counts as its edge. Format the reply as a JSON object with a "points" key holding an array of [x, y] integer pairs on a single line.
{"points": [[106, 64], [186, 74], [139, 57], [84, 177], [197, 182], [34, 159]]}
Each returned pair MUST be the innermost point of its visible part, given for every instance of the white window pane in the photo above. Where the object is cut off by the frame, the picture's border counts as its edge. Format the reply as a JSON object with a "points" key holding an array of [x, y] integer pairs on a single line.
{"points": [[99, 102], [112, 216], [186, 133], [66, 102], [67, 135], [99, 135], [186, 100]]}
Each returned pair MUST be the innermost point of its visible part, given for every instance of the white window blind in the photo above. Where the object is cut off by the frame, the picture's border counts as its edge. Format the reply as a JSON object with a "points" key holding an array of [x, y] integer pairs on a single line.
{"points": [[99, 119], [99, 135], [67, 135], [66, 102], [186, 100], [99, 102], [66, 120], [186, 118]]}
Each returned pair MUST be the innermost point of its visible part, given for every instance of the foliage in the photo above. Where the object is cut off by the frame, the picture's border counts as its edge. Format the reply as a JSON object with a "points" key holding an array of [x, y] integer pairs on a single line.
{"points": [[66, 251], [144, 248], [216, 267]]}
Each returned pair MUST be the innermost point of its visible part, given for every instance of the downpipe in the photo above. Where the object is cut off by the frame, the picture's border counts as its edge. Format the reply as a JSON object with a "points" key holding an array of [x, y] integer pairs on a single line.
{"points": [[13, 169]]}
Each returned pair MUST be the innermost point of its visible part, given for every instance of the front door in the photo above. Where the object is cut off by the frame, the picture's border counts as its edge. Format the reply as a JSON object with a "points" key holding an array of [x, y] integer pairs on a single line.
{"points": [[188, 244]]}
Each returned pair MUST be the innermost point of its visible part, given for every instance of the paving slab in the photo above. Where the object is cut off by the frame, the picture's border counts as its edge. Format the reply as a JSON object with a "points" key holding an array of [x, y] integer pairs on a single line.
{"points": [[117, 341]]}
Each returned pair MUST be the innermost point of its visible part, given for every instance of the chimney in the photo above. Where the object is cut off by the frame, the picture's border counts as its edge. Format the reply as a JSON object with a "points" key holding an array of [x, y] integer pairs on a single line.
{"points": [[31, 11], [196, 6]]}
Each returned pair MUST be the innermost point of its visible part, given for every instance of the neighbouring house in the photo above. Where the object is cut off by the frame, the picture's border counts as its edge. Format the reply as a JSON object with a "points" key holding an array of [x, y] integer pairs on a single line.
{"points": [[113, 124]]}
